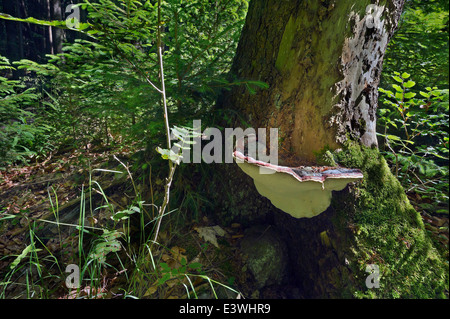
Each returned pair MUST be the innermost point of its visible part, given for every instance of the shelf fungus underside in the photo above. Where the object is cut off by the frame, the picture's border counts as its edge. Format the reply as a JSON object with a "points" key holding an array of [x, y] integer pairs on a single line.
{"points": [[300, 191]]}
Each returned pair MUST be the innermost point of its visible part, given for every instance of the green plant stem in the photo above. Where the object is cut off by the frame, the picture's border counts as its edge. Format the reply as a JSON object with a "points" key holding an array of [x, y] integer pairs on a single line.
{"points": [[166, 112], [402, 112], [162, 209], [172, 165]]}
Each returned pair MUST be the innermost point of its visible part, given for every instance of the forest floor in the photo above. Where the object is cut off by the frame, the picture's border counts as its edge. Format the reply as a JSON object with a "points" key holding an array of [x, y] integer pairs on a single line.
{"points": [[39, 191], [34, 197]]}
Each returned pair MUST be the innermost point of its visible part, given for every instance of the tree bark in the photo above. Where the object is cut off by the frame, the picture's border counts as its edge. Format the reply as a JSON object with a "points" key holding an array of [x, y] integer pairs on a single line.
{"points": [[14, 41], [50, 29], [323, 61], [57, 33]]}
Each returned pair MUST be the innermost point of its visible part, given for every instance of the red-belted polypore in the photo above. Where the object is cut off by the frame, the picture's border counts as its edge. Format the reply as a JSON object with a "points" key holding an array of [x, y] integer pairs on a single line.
{"points": [[299, 191]]}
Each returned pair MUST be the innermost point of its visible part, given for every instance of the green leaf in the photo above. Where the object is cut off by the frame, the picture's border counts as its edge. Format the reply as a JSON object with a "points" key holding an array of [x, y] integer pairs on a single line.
{"points": [[24, 253], [111, 235], [399, 96], [135, 209], [122, 215], [436, 93], [426, 95], [405, 75], [54, 23], [165, 267], [409, 84], [394, 137], [397, 87], [169, 155], [410, 95], [195, 265], [387, 92], [164, 278], [398, 79], [8, 216]]}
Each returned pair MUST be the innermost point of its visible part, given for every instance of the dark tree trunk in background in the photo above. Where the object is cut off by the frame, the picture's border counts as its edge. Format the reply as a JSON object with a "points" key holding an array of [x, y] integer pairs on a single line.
{"points": [[14, 38], [50, 29], [31, 41], [57, 33], [20, 30], [39, 34]]}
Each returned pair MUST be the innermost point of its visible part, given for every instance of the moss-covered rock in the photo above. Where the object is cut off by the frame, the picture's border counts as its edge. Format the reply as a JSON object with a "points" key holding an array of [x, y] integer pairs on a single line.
{"points": [[266, 255]]}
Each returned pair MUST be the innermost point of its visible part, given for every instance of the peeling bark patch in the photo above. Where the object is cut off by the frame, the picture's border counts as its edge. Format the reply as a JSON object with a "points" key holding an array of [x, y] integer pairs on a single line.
{"points": [[361, 63]]}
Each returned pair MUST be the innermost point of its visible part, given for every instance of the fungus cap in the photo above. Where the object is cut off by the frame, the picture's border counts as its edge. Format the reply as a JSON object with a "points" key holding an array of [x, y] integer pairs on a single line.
{"points": [[300, 191]]}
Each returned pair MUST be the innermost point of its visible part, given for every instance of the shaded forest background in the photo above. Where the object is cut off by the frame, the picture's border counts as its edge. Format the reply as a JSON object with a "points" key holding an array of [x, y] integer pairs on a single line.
{"points": [[30, 41]]}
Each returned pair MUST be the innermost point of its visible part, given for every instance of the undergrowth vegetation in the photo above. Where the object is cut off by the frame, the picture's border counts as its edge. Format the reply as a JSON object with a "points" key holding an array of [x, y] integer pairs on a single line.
{"points": [[416, 140], [140, 73], [88, 257], [108, 90]]}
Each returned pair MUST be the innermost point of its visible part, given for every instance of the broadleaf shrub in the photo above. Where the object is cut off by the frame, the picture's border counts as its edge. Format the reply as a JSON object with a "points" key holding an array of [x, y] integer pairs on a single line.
{"points": [[415, 139], [23, 134]]}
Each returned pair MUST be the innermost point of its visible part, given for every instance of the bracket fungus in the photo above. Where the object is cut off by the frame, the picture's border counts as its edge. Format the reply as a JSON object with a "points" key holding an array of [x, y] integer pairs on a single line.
{"points": [[299, 191]]}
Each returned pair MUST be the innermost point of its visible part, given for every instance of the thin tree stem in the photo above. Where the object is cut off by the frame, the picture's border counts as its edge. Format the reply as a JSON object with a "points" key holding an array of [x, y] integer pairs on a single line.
{"points": [[172, 165], [162, 209], [163, 89]]}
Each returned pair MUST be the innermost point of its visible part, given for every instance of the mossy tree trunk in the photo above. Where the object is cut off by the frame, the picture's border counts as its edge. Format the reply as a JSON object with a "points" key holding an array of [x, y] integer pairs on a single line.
{"points": [[323, 61]]}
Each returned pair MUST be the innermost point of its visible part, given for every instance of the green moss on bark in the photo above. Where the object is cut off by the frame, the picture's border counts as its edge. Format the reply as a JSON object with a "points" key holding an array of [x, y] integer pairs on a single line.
{"points": [[387, 231]]}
